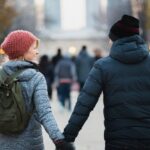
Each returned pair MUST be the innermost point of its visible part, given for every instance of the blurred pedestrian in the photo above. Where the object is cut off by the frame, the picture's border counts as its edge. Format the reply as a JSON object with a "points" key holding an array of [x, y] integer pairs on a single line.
{"points": [[97, 54], [47, 69], [57, 57], [84, 64], [21, 47], [65, 74], [124, 78]]}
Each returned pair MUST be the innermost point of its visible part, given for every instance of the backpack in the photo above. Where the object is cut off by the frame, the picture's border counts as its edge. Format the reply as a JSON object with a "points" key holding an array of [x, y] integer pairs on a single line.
{"points": [[13, 115]]}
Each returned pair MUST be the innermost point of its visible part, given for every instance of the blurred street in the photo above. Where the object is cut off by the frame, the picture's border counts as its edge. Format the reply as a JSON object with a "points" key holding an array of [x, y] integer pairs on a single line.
{"points": [[91, 135]]}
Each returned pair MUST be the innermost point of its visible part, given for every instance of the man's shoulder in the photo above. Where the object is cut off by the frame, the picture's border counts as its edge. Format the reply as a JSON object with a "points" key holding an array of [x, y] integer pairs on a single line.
{"points": [[106, 63], [104, 60]]}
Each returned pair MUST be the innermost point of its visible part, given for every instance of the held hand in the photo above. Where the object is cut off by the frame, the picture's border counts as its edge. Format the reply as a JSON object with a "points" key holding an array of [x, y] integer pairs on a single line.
{"points": [[69, 146], [65, 146]]}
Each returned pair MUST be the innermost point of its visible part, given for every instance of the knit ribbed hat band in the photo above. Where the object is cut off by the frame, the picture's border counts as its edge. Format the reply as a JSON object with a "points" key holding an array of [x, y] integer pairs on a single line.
{"points": [[128, 29], [125, 27]]}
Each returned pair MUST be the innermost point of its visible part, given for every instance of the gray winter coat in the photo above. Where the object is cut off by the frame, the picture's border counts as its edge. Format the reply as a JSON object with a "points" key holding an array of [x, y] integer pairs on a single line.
{"points": [[35, 94]]}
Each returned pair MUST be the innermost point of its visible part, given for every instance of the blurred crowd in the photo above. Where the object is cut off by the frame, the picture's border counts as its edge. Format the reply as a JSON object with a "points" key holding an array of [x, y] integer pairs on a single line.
{"points": [[65, 73]]}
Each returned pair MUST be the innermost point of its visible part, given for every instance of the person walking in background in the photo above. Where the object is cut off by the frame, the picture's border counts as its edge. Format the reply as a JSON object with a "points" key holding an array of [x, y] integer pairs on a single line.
{"points": [[97, 54], [21, 47], [65, 75], [57, 57], [3, 58], [124, 78], [47, 69], [83, 65]]}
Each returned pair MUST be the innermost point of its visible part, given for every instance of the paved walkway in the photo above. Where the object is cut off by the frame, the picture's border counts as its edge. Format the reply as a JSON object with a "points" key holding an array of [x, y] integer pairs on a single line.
{"points": [[90, 137]]}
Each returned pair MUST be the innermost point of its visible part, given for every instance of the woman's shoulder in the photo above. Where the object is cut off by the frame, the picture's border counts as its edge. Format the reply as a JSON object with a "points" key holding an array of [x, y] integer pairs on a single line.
{"points": [[31, 74]]}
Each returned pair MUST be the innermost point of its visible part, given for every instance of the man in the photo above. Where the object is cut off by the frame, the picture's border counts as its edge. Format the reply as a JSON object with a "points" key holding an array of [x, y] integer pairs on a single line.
{"points": [[83, 65], [65, 75], [124, 78], [57, 57]]}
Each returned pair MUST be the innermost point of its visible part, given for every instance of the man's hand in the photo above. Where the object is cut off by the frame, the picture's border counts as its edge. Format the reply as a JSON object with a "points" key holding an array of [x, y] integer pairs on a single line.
{"points": [[65, 146]]}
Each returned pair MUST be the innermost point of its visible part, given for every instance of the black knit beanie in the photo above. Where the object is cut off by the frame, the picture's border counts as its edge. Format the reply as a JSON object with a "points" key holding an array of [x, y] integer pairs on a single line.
{"points": [[125, 27]]}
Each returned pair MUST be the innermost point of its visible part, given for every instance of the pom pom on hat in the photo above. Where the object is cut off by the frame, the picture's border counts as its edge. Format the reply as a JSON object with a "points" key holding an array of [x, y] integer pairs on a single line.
{"points": [[17, 43]]}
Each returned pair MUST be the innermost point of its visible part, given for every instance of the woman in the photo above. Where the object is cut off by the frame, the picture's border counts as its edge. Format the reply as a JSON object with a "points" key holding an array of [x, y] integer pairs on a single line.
{"points": [[21, 48]]}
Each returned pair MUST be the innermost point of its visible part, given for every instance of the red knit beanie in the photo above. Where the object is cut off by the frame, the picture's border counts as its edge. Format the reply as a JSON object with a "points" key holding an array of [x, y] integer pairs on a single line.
{"points": [[17, 43]]}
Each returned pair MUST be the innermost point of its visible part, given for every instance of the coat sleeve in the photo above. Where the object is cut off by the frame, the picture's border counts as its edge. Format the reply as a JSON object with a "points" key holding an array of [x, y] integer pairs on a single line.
{"points": [[44, 112], [85, 103]]}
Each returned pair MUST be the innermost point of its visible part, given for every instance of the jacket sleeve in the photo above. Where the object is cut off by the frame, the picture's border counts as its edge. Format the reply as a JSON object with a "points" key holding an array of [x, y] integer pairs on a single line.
{"points": [[44, 112], [85, 104]]}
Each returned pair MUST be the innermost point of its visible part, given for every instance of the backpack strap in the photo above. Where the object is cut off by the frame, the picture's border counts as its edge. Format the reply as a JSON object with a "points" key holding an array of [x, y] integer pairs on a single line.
{"points": [[2, 75], [7, 79]]}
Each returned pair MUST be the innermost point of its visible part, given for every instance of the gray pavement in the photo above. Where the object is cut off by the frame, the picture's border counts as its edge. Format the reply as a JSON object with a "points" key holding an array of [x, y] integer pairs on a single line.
{"points": [[91, 135]]}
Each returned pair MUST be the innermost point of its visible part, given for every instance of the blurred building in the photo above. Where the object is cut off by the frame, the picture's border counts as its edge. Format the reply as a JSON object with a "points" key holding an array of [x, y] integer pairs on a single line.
{"points": [[61, 18], [116, 8], [73, 23], [52, 14], [26, 16], [96, 14], [68, 24]]}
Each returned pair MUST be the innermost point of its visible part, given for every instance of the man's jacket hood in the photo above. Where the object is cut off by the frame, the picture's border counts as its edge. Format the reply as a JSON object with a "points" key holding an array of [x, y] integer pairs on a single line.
{"points": [[129, 50]]}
